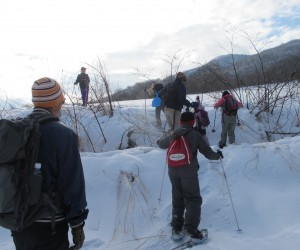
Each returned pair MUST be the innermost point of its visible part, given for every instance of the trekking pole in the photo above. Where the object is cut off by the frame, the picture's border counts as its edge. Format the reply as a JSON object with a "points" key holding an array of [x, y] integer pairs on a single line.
{"points": [[213, 130], [145, 104], [164, 129], [162, 182], [238, 121], [174, 120], [238, 227]]}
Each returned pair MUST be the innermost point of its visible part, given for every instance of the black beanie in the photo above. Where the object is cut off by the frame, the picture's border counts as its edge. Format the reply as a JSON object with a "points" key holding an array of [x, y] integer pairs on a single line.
{"points": [[187, 118], [225, 93]]}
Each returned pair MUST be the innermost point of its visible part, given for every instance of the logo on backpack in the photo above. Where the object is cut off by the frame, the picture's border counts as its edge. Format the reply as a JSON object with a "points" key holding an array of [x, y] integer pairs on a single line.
{"points": [[179, 153], [230, 105], [21, 197]]}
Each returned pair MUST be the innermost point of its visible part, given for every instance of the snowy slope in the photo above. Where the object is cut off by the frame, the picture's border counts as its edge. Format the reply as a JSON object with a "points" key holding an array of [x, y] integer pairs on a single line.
{"points": [[129, 193]]}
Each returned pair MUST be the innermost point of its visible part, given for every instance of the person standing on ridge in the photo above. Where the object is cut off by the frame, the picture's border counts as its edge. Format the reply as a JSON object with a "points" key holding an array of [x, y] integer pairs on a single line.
{"points": [[230, 107], [62, 174], [84, 82], [174, 97]]}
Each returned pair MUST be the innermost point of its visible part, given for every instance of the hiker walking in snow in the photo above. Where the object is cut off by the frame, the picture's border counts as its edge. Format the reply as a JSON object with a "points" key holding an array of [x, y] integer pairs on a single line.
{"points": [[229, 106], [183, 174], [174, 97], [154, 91], [62, 176], [84, 81], [202, 119]]}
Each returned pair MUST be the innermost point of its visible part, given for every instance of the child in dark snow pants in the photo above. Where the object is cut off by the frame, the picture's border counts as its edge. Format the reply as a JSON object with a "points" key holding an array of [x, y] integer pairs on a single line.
{"points": [[186, 198]]}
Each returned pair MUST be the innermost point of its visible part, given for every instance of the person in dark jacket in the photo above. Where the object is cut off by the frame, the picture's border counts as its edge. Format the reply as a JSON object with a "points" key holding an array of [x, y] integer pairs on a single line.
{"points": [[186, 198], [174, 97], [84, 81], [62, 173]]}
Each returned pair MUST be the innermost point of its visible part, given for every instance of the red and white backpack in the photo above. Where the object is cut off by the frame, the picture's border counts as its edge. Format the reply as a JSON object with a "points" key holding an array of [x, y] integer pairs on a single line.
{"points": [[179, 152]]}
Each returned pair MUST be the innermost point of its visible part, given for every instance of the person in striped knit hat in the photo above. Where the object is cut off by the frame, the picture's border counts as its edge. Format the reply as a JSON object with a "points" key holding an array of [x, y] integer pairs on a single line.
{"points": [[47, 93], [62, 173]]}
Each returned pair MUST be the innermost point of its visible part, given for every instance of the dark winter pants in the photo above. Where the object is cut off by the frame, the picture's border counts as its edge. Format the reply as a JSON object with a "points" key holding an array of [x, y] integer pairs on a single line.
{"points": [[186, 198], [84, 95], [39, 236]]}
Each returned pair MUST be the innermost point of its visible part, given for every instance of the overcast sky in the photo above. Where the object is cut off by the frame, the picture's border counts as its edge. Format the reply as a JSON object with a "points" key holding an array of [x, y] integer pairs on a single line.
{"points": [[56, 37]]}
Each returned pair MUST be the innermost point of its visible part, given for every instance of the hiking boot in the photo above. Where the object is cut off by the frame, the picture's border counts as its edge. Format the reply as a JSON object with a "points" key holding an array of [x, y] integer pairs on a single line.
{"points": [[196, 235], [221, 145], [177, 234]]}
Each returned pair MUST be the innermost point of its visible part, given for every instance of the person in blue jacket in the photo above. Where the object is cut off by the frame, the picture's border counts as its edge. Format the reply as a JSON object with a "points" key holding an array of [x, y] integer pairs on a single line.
{"points": [[157, 102], [62, 173]]}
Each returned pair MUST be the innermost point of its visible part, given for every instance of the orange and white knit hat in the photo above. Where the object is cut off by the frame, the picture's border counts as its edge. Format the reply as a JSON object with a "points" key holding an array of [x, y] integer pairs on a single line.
{"points": [[46, 93]]}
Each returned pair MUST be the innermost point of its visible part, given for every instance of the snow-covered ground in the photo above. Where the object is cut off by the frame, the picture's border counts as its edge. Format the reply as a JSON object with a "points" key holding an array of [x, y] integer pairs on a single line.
{"points": [[129, 193]]}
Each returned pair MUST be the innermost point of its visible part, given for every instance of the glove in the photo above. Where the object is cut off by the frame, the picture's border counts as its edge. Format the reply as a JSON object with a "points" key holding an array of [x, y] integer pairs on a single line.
{"points": [[78, 236], [220, 153]]}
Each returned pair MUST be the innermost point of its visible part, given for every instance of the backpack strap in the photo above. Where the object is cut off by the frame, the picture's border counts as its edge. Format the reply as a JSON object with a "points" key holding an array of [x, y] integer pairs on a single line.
{"points": [[42, 117]]}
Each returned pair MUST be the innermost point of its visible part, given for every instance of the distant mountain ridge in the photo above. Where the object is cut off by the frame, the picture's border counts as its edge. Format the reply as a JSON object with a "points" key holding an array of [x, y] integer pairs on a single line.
{"points": [[279, 53], [284, 50], [268, 66]]}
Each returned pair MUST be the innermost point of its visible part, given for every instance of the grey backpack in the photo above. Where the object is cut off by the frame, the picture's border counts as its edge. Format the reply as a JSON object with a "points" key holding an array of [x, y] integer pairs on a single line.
{"points": [[21, 198]]}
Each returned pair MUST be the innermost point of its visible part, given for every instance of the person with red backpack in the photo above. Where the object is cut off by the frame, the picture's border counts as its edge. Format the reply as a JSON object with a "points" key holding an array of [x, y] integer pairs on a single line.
{"points": [[183, 166], [229, 106]]}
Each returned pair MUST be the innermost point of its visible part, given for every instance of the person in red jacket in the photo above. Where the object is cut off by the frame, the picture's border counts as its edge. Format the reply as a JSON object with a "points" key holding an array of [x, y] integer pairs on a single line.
{"points": [[229, 106]]}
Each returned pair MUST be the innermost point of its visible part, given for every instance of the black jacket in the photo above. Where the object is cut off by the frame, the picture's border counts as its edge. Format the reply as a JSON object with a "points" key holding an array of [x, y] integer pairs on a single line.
{"points": [[83, 80], [177, 99], [62, 168]]}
